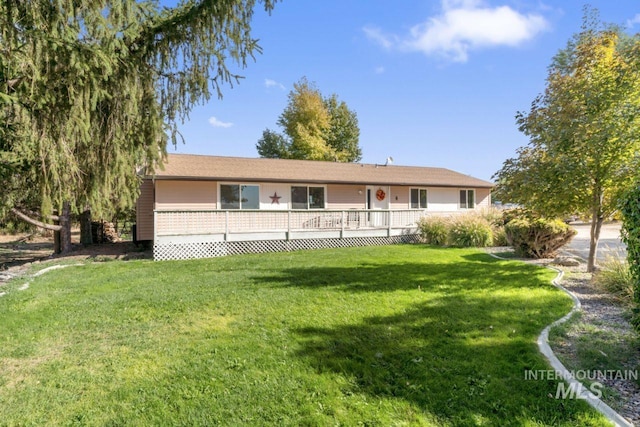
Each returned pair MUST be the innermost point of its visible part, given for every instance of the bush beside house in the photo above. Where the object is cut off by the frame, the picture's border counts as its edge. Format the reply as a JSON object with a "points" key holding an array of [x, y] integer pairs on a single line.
{"points": [[470, 230], [538, 237], [531, 237]]}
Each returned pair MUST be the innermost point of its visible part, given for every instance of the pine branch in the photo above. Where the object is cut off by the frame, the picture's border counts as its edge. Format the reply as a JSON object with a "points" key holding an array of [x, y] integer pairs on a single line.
{"points": [[37, 214], [35, 222]]}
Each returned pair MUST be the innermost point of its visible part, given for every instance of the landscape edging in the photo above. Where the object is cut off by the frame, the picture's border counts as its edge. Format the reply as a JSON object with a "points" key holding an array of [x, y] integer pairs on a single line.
{"points": [[544, 347]]}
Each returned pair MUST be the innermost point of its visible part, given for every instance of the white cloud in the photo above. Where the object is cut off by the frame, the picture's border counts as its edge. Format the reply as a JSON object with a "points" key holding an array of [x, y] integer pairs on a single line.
{"points": [[272, 83], [219, 124], [633, 21], [376, 34], [463, 26]]}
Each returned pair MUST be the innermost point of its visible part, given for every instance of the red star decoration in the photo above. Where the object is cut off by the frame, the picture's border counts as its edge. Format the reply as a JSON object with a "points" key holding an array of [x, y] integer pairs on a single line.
{"points": [[275, 198]]}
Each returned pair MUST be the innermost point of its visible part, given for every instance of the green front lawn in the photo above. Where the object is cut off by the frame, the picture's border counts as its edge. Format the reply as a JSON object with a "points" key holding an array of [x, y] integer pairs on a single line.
{"points": [[396, 335]]}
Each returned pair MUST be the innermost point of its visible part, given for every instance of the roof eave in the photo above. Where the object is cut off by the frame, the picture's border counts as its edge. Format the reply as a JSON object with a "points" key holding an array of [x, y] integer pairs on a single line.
{"points": [[314, 181]]}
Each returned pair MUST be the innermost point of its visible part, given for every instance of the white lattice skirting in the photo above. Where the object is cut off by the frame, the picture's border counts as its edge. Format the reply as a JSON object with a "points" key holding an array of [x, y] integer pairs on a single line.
{"points": [[173, 251]]}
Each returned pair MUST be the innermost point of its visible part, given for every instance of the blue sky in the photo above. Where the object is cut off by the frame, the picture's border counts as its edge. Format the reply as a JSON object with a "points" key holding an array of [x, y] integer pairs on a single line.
{"points": [[433, 82]]}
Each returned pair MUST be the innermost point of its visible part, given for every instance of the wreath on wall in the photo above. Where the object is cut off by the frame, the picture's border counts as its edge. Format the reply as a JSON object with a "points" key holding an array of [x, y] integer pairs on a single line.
{"points": [[380, 194]]}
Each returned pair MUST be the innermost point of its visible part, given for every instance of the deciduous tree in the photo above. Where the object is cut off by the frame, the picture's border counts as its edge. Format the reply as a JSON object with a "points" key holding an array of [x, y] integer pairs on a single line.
{"points": [[92, 91], [343, 135], [273, 145], [314, 128], [584, 131]]}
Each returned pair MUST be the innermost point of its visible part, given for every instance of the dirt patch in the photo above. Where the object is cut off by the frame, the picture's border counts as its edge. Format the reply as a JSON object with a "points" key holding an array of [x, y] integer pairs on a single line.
{"points": [[18, 252]]}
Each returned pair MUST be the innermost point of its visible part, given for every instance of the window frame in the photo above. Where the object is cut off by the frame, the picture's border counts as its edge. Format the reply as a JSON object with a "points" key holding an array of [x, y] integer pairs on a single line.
{"points": [[467, 192], [308, 207], [239, 185], [419, 190]]}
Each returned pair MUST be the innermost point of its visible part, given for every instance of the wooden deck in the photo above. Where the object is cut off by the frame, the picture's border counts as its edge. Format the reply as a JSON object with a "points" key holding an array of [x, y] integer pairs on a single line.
{"points": [[208, 233]]}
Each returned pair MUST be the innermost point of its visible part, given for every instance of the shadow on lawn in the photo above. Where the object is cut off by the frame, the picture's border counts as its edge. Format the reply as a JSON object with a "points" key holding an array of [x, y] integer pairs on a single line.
{"points": [[460, 371], [481, 270], [458, 353]]}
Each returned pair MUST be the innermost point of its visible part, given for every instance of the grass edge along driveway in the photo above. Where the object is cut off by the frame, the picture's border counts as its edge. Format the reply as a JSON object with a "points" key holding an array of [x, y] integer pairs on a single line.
{"points": [[394, 335]]}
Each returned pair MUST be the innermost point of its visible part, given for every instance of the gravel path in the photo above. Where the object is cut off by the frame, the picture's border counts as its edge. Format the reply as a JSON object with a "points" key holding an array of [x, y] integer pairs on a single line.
{"points": [[601, 315]]}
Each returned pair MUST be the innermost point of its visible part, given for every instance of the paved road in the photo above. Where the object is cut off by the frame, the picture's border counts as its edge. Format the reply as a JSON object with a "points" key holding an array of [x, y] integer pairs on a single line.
{"points": [[609, 244]]}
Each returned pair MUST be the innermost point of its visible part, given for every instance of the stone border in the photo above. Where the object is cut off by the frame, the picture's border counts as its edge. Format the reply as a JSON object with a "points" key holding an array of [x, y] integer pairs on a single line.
{"points": [[545, 349]]}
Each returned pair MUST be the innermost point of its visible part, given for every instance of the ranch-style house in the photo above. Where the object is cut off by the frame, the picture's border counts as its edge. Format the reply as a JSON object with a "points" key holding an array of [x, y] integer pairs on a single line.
{"points": [[204, 206]]}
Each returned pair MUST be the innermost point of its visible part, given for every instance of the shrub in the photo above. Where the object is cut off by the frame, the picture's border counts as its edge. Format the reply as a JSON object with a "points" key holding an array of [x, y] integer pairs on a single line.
{"points": [[434, 230], [516, 213], [499, 236], [492, 216], [538, 238], [630, 210], [615, 277], [496, 218], [470, 231]]}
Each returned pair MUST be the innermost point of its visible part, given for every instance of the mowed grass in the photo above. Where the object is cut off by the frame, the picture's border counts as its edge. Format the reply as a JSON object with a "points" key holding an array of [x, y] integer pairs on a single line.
{"points": [[396, 335]]}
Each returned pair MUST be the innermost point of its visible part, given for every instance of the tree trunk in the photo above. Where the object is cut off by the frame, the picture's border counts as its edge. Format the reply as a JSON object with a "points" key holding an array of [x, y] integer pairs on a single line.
{"points": [[86, 237], [65, 229], [56, 242], [61, 232], [596, 226]]}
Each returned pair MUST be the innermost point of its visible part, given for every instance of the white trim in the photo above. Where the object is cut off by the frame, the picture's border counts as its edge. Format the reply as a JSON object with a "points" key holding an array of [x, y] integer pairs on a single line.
{"points": [[326, 196], [475, 202], [420, 188], [239, 183]]}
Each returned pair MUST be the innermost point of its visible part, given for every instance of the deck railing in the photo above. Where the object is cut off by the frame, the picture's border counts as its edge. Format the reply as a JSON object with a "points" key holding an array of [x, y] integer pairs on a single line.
{"points": [[227, 222]]}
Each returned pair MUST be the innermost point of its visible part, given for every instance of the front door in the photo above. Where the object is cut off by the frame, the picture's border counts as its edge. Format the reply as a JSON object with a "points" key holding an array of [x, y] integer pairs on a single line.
{"points": [[377, 199]]}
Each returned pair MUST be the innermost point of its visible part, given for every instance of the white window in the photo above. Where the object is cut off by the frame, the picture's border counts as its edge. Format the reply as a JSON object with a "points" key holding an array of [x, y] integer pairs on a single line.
{"points": [[303, 197], [467, 199], [239, 196], [418, 198]]}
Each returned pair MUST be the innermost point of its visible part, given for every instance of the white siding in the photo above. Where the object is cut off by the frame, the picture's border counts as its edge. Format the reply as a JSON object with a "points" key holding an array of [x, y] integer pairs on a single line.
{"points": [[399, 198], [268, 190], [483, 198], [346, 197], [186, 195], [144, 211], [443, 199]]}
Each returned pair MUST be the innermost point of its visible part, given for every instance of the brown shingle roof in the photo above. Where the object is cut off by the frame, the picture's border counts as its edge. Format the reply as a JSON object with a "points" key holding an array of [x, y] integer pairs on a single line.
{"points": [[189, 166]]}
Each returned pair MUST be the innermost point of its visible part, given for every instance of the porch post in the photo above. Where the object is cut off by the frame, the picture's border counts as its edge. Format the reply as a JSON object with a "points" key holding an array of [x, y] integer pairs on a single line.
{"points": [[342, 220], [155, 225], [226, 226], [288, 224], [389, 219]]}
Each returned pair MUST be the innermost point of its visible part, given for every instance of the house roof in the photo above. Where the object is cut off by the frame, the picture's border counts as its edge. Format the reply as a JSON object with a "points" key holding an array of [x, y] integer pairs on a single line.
{"points": [[215, 168]]}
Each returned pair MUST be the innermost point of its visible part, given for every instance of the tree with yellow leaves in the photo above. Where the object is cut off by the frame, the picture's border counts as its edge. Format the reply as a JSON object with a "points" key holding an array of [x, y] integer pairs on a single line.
{"points": [[584, 131], [315, 128]]}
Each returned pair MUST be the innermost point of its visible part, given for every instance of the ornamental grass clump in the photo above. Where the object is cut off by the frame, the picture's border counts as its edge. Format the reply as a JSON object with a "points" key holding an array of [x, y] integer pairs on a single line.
{"points": [[499, 236], [614, 276], [470, 231], [495, 217], [434, 230], [538, 237]]}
